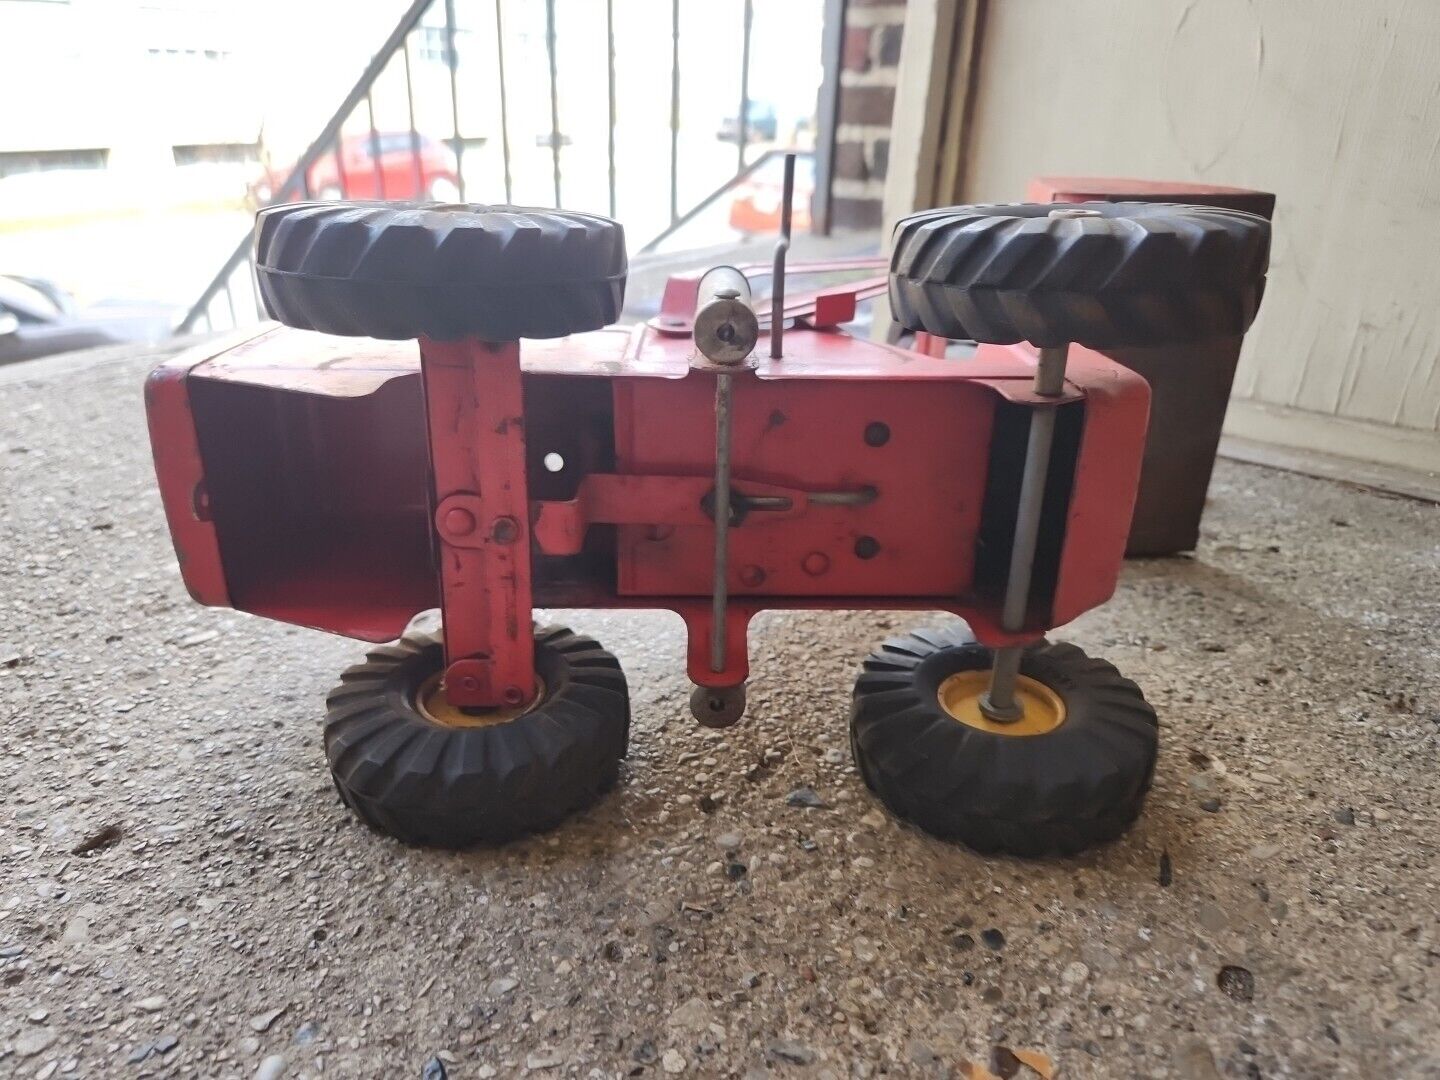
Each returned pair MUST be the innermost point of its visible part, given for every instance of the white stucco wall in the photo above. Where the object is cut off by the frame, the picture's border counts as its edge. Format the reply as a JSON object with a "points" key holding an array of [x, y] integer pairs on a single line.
{"points": [[1334, 105]]}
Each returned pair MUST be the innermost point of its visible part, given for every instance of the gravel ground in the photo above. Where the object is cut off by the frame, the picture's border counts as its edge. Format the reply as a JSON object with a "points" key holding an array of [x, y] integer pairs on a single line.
{"points": [[1274, 914]]}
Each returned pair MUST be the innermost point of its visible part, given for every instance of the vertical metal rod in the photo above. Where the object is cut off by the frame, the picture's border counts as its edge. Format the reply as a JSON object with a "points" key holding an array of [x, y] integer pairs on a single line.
{"points": [[999, 702], [554, 98], [452, 61], [720, 591], [610, 71], [782, 248], [420, 192], [375, 147], [504, 105], [674, 111], [340, 177], [743, 127], [230, 303]]}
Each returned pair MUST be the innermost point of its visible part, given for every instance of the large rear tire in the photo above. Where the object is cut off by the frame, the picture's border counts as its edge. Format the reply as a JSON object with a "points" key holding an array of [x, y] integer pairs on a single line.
{"points": [[1118, 274], [440, 270]]}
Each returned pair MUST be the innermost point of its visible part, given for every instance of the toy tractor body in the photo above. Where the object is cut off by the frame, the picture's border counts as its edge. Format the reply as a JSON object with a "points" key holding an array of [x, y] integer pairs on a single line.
{"points": [[347, 483]]}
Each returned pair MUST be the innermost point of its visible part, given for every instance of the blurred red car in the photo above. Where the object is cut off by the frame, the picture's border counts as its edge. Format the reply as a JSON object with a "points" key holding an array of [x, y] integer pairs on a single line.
{"points": [[756, 206], [362, 174]]}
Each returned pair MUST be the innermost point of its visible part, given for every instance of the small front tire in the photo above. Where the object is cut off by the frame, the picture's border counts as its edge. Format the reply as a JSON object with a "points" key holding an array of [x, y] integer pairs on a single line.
{"points": [[428, 774], [1073, 773]]}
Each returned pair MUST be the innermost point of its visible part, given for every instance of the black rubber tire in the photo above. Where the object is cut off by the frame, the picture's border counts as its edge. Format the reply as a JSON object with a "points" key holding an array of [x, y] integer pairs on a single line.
{"points": [[455, 787], [1079, 785], [445, 271], [1135, 274]]}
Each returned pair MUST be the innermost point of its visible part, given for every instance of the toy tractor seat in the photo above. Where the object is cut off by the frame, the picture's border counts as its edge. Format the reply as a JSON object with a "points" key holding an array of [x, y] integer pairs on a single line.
{"points": [[442, 271]]}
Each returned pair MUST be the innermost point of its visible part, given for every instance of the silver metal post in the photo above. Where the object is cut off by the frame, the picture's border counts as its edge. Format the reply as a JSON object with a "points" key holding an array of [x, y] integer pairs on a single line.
{"points": [[999, 702]]}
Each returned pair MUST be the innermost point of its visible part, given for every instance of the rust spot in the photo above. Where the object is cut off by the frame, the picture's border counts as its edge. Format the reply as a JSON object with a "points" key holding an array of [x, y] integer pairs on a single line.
{"points": [[775, 420]]}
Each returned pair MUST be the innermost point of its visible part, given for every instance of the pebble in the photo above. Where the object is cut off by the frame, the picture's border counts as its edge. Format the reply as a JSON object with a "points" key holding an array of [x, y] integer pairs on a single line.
{"points": [[993, 939], [262, 1021], [790, 1052], [272, 1068], [502, 986], [807, 797], [1211, 806], [34, 1042], [542, 1059], [151, 1004], [672, 1061], [1075, 973], [305, 1033], [1344, 815], [729, 841]]}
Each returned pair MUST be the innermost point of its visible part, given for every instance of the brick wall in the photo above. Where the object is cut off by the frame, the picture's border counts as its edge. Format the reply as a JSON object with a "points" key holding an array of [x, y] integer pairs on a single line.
{"points": [[869, 63]]}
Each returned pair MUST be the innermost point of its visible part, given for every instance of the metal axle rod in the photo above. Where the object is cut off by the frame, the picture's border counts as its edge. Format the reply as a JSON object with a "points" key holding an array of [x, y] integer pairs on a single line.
{"points": [[998, 702]]}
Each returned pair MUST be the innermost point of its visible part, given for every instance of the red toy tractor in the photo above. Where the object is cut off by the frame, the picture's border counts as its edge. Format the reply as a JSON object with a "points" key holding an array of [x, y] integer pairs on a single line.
{"points": [[330, 474]]}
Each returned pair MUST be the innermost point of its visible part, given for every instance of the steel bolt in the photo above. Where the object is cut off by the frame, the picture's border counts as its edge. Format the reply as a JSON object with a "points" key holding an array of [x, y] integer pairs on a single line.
{"points": [[877, 434], [459, 521], [867, 547], [512, 695], [505, 530], [815, 564], [469, 682], [753, 576]]}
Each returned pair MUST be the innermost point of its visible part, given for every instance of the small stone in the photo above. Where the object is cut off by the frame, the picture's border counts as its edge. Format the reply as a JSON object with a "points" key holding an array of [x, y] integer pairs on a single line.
{"points": [[34, 1042], [1264, 778], [1211, 806], [140, 1053], [165, 1043], [9, 952], [963, 942], [993, 939], [729, 841], [249, 1045], [1344, 815], [502, 986], [542, 1059], [191, 640], [1075, 973], [807, 797], [736, 870], [272, 1068], [672, 1061], [305, 1034], [1381, 814], [1167, 870], [645, 1053], [151, 1004], [1265, 851], [1195, 1061], [789, 1052], [1236, 982], [434, 1069], [1212, 918], [485, 1072], [37, 1016], [262, 1021]]}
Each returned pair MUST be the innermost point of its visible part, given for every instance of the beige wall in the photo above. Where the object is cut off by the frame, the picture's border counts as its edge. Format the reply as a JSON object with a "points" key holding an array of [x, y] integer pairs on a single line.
{"points": [[1332, 104]]}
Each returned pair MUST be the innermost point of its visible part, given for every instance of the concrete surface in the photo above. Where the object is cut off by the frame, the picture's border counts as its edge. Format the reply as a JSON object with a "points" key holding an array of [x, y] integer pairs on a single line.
{"points": [[231, 919]]}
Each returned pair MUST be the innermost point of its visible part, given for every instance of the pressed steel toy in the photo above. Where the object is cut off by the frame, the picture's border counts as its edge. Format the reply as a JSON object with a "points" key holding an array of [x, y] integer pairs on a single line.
{"points": [[331, 474]]}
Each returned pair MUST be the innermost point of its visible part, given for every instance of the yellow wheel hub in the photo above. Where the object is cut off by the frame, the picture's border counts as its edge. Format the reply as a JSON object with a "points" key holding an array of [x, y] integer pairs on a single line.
{"points": [[430, 699], [1043, 710]]}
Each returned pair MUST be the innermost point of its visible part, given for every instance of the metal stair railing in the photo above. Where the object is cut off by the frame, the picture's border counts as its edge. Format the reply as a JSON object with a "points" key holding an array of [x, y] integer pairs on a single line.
{"points": [[297, 182]]}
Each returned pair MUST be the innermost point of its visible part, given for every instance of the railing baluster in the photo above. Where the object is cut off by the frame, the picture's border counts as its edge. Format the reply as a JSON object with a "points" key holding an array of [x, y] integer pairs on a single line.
{"points": [[375, 148], [743, 133], [420, 192], [504, 107], [554, 98], [610, 71], [340, 177], [674, 111], [452, 60]]}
